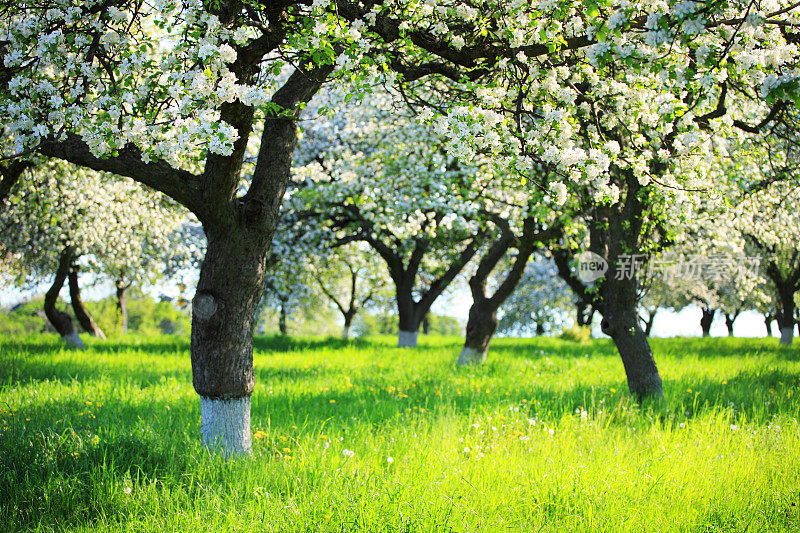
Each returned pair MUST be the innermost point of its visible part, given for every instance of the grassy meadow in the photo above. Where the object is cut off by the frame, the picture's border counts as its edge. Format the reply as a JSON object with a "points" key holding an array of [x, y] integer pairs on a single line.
{"points": [[362, 436]]}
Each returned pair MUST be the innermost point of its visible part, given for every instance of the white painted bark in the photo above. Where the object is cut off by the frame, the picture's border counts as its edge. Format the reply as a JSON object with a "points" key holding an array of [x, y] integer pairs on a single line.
{"points": [[471, 356], [346, 333], [73, 340], [407, 339], [225, 425], [787, 334]]}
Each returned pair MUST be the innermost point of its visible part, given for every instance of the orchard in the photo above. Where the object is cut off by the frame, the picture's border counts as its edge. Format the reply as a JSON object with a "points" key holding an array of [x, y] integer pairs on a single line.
{"points": [[428, 252]]}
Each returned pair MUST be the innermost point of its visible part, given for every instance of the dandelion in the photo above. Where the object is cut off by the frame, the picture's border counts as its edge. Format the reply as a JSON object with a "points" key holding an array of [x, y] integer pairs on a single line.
{"points": [[681, 425], [127, 490], [348, 453], [466, 449], [287, 450], [260, 434], [390, 460]]}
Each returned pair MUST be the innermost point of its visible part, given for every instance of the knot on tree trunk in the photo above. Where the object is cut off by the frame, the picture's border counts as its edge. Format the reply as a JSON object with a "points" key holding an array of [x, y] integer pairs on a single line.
{"points": [[204, 305], [606, 325], [252, 212]]}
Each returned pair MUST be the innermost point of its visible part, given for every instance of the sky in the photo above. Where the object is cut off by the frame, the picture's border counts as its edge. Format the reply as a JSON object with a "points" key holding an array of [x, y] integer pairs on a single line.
{"points": [[685, 323]]}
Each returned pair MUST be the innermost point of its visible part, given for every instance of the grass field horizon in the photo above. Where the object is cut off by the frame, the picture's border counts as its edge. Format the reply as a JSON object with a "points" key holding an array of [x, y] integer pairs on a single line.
{"points": [[362, 436]]}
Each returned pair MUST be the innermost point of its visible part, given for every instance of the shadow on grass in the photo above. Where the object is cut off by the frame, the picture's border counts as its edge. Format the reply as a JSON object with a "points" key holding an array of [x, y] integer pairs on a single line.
{"points": [[59, 462], [285, 343], [725, 347], [52, 467], [18, 370]]}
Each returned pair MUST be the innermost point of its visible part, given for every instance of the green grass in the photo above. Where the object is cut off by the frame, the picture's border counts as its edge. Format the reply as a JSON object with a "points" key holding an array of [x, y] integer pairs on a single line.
{"points": [[543, 438]]}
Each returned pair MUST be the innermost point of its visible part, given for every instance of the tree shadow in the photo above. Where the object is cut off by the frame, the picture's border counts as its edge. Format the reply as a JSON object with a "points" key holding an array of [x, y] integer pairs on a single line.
{"points": [[141, 374], [724, 347], [64, 459], [56, 447]]}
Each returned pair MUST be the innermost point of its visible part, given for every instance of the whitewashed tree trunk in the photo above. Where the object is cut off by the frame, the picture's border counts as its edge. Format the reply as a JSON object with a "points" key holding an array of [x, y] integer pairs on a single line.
{"points": [[470, 356], [787, 334], [225, 425], [346, 332], [407, 339], [73, 340]]}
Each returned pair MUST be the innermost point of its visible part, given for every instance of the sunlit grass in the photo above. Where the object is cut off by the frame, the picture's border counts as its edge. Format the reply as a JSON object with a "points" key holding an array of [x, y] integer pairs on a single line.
{"points": [[364, 436]]}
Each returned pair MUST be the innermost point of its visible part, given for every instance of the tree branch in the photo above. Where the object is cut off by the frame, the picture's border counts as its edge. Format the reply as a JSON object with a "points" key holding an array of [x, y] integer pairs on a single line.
{"points": [[180, 185]]}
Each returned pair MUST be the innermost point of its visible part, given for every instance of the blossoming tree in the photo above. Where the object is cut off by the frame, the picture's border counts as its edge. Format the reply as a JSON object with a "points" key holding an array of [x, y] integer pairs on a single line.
{"points": [[373, 174], [167, 94], [62, 219]]}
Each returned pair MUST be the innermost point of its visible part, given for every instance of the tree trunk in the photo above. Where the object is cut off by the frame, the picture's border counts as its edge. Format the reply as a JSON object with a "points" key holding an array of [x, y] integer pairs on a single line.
{"points": [[282, 320], [621, 323], [84, 318], [730, 318], [706, 320], [539, 329], [223, 318], [481, 325], [407, 339], [348, 323], [59, 319], [122, 307], [786, 320], [426, 324], [648, 326], [787, 335], [10, 175], [407, 315], [768, 323]]}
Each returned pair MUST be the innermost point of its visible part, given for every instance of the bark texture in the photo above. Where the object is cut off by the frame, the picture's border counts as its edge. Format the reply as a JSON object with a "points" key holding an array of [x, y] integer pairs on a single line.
{"points": [[223, 313], [60, 320], [621, 323], [768, 323], [81, 313]]}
